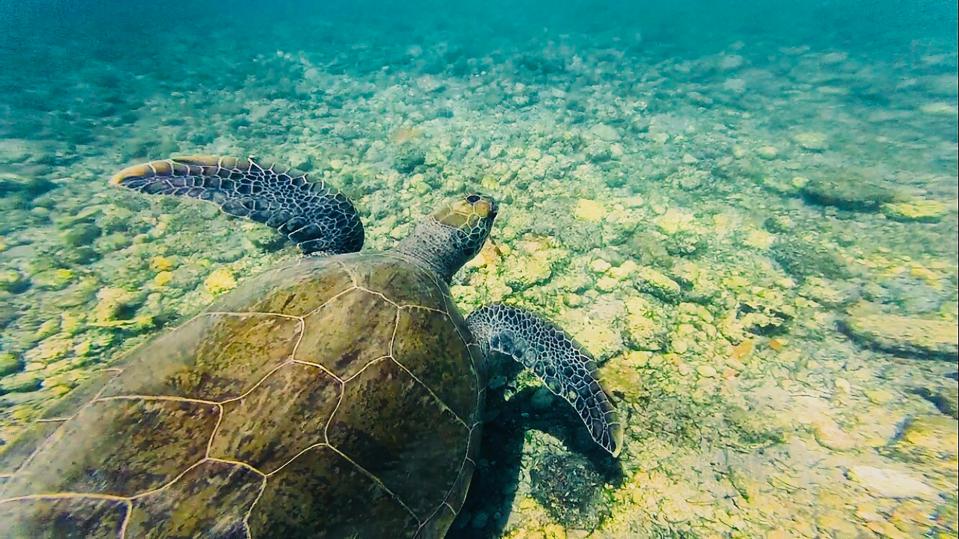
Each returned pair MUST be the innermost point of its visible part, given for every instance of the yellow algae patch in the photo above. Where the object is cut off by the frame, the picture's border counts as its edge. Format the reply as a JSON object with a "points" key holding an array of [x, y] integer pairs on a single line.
{"points": [[54, 279], [110, 302], [623, 374], [674, 221], [743, 349], [926, 274], [623, 270], [50, 349], [47, 328], [163, 278], [760, 239], [532, 264], [930, 437], [549, 531], [599, 339], [915, 210], [161, 263], [528, 504], [220, 281], [777, 345], [404, 134], [589, 210], [722, 224], [535, 522], [736, 282]]}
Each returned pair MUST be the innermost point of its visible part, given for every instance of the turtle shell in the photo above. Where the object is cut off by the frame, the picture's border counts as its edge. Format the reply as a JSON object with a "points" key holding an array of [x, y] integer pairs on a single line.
{"points": [[333, 397]]}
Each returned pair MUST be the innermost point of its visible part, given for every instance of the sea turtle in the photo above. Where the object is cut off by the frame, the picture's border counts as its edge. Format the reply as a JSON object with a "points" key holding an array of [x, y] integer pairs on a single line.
{"points": [[338, 395]]}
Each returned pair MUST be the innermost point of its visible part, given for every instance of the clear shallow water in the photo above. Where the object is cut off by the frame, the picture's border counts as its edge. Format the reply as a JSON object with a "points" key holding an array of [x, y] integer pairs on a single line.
{"points": [[747, 213]]}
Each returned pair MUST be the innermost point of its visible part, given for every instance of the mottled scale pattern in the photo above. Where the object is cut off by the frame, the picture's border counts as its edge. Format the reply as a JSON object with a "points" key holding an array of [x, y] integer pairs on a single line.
{"points": [[333, 397], [43, 517], [209, 500], [313, 215], [568, 371]]}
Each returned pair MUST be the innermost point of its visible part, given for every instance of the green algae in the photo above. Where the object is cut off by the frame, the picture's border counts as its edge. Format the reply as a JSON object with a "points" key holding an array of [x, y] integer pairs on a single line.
{"points": [[9, 363]]}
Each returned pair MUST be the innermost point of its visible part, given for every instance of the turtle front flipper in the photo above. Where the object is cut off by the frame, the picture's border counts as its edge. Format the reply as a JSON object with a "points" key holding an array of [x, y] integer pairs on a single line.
{"points": [[555, 358], [313, 215]]}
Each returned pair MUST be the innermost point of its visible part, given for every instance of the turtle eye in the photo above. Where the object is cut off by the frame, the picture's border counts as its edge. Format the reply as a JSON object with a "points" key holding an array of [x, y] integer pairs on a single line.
{"points": [[473, 199]]}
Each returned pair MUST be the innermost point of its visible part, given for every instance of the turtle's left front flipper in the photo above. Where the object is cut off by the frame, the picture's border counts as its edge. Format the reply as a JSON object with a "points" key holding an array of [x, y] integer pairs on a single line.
{"points": [[554, 357], [313, 215]]}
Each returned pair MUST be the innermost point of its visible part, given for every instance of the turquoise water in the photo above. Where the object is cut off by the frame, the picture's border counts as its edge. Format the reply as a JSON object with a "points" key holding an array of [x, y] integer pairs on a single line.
{"points": [[747, 212]]}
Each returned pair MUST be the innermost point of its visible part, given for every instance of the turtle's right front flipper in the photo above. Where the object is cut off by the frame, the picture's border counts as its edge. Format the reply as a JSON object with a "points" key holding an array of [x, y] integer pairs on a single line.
{"points": [[562, 364], [313, 215]]}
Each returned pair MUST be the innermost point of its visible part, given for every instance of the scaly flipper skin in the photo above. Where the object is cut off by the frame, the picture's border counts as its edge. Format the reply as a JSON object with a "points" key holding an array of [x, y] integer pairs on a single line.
{"points": [[313, 215], [554, 357]]}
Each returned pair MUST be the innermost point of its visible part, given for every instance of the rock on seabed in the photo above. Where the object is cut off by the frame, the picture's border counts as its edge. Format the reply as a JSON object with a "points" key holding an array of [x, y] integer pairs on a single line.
{"points": [[903, 335], [889, 483], [925, 211]]}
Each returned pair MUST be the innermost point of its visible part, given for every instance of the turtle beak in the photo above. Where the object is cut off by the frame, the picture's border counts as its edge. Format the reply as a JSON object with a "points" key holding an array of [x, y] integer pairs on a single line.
{"points": [[485, 204]]}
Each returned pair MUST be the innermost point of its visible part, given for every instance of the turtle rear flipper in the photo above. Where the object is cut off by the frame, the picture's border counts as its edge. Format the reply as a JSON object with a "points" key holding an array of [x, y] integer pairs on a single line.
{"points": [[567, 370], [313, 215]]}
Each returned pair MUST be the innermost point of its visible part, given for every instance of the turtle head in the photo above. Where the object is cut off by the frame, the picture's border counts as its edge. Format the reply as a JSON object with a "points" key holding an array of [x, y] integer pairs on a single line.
{"points": [[452, 234], [472, 217]]}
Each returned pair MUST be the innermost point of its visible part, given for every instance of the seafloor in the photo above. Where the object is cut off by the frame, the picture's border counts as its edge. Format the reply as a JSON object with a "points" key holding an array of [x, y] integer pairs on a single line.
{"points": [[756, 237]]}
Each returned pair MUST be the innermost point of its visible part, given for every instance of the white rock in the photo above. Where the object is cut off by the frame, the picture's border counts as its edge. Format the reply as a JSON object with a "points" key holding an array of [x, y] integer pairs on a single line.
{"points": [[736, 86], [811, 140], [768, 152], [889, 483], [730, 61], [599, 265]]}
